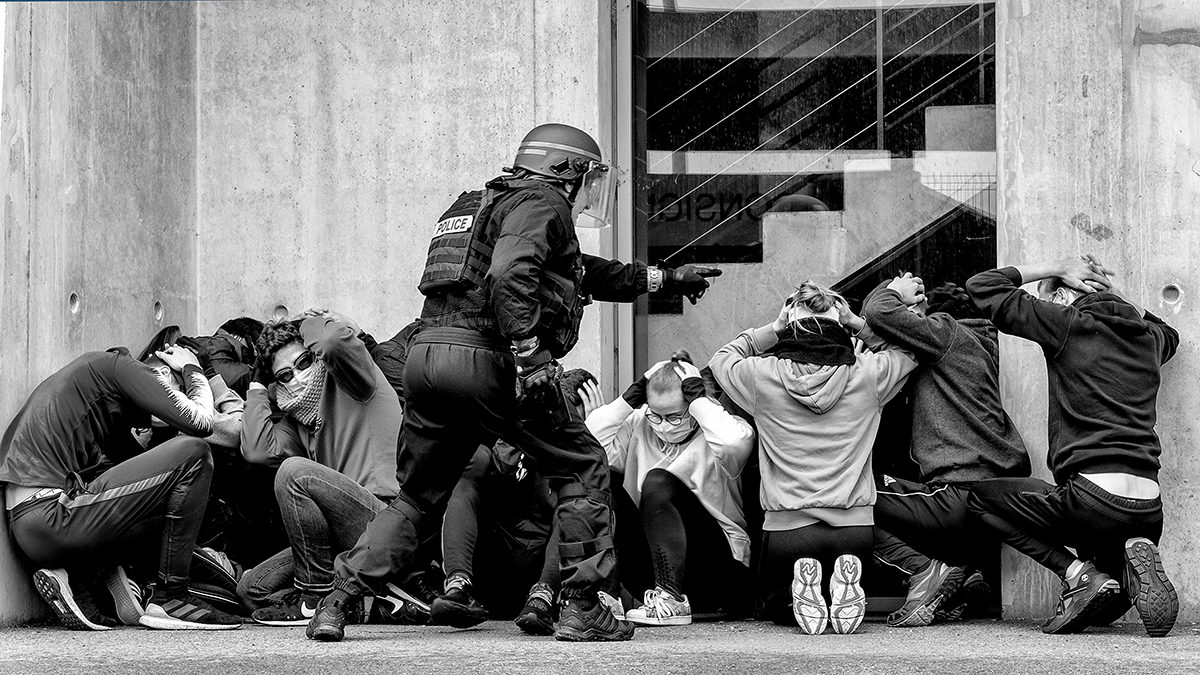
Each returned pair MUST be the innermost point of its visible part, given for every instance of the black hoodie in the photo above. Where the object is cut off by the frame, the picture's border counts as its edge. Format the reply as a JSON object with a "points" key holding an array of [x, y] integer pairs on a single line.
{"points": [[1102, 364]]}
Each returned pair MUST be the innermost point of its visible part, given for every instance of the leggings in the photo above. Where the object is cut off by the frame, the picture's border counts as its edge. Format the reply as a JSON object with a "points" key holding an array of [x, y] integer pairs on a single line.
{"points": [[781, 549]]}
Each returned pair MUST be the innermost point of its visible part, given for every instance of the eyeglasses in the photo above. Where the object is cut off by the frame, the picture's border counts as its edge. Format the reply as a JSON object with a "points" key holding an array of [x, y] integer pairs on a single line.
{"points": [[303, 362], [674, 419]]}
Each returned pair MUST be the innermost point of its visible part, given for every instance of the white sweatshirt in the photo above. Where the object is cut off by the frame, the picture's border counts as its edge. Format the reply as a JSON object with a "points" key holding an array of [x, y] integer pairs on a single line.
{"points": [[710, 463]]}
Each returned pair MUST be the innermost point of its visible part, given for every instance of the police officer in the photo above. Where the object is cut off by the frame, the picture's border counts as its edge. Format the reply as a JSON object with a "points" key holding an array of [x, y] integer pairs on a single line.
{"points": [[505, 286]]}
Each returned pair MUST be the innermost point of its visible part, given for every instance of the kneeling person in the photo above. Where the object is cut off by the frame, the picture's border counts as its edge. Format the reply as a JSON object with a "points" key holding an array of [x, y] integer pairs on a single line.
{"points": [[682, 456]]}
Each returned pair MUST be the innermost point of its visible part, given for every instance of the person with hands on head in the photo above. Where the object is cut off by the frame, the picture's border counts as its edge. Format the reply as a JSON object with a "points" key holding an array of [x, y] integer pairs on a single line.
{"points": [[335, 446], [682, 456], [77, 520], [1104, 356], [960, 435], [816, 399]]}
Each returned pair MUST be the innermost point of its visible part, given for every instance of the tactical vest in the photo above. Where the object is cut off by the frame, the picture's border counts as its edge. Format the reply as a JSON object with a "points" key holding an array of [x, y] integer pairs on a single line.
{"points": [[460, 254]]}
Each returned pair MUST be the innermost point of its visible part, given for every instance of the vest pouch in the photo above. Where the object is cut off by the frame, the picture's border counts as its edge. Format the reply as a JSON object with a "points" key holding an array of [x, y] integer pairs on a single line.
{"points": [[459, 252]]}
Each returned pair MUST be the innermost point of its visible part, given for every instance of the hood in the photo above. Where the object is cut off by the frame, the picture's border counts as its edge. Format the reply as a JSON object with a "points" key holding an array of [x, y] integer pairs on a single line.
{"points": [[1119, 316], [819, 388], [218, 347]]}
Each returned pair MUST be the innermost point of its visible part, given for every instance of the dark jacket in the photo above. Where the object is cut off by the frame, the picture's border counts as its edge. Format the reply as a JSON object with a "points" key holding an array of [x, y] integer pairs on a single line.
{"points": [[534, 248], [1102, 363], [83, 414], [960, 431]]}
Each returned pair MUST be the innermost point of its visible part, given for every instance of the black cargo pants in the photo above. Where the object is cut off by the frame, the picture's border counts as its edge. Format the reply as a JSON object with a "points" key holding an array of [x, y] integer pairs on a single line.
{"points": [[461, 394]]}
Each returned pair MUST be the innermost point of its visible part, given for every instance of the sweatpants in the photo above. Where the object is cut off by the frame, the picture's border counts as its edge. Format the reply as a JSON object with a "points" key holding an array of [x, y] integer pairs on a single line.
{"points": [[159, 496], [782, 548], [1042, 520], [496, 531], [915, 522], [461, 394]]}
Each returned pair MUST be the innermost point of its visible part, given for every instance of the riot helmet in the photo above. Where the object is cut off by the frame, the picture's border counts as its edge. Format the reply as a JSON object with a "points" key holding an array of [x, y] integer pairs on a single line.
{"points": [[564, 153]]}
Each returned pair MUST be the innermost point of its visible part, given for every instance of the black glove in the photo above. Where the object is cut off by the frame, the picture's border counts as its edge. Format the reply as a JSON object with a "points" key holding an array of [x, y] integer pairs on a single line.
{"points": [[201, 353], [689, 280], [537, 373], [635, 395], [262, 371], [693, 388]]}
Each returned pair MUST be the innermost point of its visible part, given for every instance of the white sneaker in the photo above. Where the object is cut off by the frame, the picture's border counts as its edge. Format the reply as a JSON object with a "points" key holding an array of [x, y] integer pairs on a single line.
{"points": [[660, 608], [55, 588], [808, 605], [848, 603], [127, 597]]}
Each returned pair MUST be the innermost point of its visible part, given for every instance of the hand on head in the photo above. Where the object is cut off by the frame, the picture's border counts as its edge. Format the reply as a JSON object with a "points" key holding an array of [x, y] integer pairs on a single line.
{"points": [[177, 357], [1085, 274], [911, 288], [591, 396]]}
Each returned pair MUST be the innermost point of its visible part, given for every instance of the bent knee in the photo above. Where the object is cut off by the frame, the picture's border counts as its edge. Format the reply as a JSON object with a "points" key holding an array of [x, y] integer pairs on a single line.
{"points": [[290, 472], [185, 450], [660, 485]]}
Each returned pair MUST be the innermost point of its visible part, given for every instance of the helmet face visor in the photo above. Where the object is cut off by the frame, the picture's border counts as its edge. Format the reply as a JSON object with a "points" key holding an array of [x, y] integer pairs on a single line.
{"points": [[594, 202]]}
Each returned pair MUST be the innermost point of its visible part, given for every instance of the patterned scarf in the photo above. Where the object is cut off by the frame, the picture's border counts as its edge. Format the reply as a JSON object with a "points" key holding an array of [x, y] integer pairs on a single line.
{"points": [[305, 406]]}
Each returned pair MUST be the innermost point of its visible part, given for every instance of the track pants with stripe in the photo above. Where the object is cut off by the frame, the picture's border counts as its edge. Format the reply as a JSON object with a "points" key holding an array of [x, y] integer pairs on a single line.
{"points": [[155, 498], [915, 522]]}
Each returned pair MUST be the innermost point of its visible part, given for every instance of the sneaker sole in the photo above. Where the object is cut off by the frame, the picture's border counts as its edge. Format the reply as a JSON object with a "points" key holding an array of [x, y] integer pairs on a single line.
{"points": [[806, 574], [846, 614], [532, 624], [168, 623], [282, 623], [590, 635], [455, 614], [1156, 600], [128, 605], [325, 635], [50, 587], [668, 621]]}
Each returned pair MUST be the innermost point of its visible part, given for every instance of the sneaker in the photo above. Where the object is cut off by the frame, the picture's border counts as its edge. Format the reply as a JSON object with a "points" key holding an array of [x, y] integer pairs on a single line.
{"points": [[186, 613], [295, 609], [590, 621], [457, 607], [974, 591], [127, 597], [808, 605], [537, 616], [1092, 594], [848, 603], [661, 608], [329, 623], [76, 613], [397, 608], [927, 590], [1152, 592]]}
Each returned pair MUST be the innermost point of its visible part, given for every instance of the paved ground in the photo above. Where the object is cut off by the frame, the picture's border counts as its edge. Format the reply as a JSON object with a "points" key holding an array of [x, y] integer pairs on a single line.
{"points": [[975, 647]]}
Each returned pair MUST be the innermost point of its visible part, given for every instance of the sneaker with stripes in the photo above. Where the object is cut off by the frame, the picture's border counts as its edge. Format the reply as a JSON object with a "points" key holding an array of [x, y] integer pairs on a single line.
{"points": [[76, 612], [186, 613], [127, 597]]}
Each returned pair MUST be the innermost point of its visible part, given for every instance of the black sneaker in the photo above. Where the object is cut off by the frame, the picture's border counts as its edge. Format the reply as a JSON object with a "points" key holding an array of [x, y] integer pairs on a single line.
{"points": [[590, 621], [294, 609], [186, 612], [537, 616], [1092, 595], [76, 611], [974, 592], [457, 607], [927, 590], [329, 624], [1152, 592]]}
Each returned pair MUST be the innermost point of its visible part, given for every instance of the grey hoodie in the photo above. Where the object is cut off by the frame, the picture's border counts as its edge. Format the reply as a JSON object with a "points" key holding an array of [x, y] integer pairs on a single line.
{"points": [[816, 426]]}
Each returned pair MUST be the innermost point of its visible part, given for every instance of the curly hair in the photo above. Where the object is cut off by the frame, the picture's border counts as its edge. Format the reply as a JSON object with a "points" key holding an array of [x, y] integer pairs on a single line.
{"points": [[571, 381], [275, 336], [952, 299]]}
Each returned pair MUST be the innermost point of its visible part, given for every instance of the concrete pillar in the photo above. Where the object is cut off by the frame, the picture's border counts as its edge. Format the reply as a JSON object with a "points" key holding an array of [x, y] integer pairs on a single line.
{"points": [[1098, 114], [98, 168]]}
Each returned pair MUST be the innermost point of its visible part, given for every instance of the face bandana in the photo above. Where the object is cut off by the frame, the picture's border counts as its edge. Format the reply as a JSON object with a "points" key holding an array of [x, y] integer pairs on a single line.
{"points": [[675, 434], [301, 398]]}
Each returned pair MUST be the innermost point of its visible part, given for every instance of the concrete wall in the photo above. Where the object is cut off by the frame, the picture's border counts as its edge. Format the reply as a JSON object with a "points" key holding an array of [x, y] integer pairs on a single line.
{"points": [[98, 170], [333, 135], [1098, 106]]}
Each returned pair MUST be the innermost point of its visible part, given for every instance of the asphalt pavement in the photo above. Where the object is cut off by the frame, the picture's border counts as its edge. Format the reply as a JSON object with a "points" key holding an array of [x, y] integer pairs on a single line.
{"points": [[498, 647]]}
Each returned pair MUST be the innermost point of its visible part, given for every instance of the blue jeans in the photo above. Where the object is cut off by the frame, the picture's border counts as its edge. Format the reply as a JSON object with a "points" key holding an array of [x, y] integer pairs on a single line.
{"points": [[324, 512]]}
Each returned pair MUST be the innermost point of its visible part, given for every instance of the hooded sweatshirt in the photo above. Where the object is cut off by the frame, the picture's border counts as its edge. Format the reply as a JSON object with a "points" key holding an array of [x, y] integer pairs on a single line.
{"points": [[360, 412], [816, 427], [960, 431], [1102, 366], [710, 462]]}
